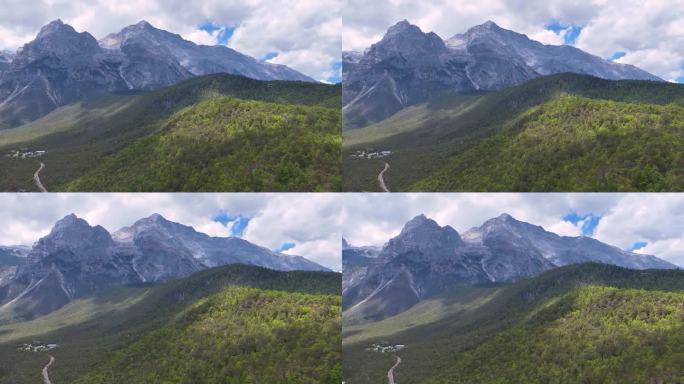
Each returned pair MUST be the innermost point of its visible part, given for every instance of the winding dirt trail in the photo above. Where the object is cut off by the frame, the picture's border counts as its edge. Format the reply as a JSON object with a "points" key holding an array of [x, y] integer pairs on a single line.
{"points": [[390, 373], [36, 178], [381, 181], [46, 378]]}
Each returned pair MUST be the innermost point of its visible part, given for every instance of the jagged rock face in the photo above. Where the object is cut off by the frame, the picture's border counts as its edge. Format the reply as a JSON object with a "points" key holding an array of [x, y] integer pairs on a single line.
{"points": [[355, 262], [14, 251], [62, 66], [58, 67], [559, 250], [408, 67], [209, 251], [143, 45], [426, 260], [76, 259], [6, 58]]}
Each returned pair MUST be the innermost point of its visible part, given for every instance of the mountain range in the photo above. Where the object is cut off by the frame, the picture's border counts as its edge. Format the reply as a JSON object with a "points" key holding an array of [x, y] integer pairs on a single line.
{"points": [[61, 66], [426, 260], [408, 66], [76, 259]]}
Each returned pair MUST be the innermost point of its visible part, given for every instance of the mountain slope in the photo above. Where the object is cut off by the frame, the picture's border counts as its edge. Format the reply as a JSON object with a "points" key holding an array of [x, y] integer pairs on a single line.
{"points": [[423, 139], [209, 251], [62, 66], [144, 45], [409, 66], [426, 260], [199, 329], [574, 144], [110, 125], [355, 262], [228, 144], [468, 323], [591, 334]]}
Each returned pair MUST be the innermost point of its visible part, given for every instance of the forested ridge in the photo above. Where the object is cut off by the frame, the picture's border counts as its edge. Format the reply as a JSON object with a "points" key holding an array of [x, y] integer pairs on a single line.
{"points": [[575, 144], [593, 334], [232, 324], [229, 144]]}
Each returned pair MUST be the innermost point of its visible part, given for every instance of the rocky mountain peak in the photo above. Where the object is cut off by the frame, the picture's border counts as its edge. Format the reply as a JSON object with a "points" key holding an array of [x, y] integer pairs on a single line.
{"points": [[489, 25], [424, 233], [61, 40], [408, 39], [402, 27], [141, 32], [154, 223], [144, 24], [506, 218], [56, 29], [70, 222], [55, 26], [145, 27], [73, 234], [75, 226], [345, 244], [504, 225], [420, 222], [156, 218]]}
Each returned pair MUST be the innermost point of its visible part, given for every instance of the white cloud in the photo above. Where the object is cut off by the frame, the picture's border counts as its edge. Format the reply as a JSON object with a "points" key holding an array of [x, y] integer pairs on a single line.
{"points": [[651, 32], [311, 221], [550, 37], [297, 30], [202, 37], [670, 249], [304, 33], [658, 219]]}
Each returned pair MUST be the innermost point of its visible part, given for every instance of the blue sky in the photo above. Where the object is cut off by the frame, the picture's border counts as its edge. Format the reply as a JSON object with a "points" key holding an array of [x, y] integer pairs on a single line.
{"points": [[637, 245], [284, 247], [238, 226], [617, 55], [569, 32], [239, 223], [222, 35], [587, 222]]}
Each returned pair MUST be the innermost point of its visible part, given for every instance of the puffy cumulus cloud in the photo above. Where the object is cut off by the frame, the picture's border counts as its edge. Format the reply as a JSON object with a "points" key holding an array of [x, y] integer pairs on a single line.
{"points": [[311, 221], [650, 32], [549, 37], [670, 249], [306, 34], [297, 30], [657, 219]]}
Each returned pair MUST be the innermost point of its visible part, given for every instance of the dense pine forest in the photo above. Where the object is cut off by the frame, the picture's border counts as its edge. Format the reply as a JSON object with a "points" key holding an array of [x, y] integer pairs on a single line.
{"points": [[210, 133], [564, 132], [237, 323], [574, 144], [590, 323]]}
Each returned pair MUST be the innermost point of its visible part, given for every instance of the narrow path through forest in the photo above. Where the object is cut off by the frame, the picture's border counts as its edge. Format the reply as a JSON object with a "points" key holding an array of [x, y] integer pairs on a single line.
{"points": [[390, 373], [46, 378], [36, 178], [381, 181]]}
